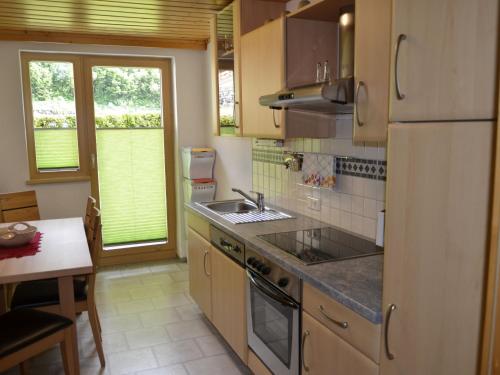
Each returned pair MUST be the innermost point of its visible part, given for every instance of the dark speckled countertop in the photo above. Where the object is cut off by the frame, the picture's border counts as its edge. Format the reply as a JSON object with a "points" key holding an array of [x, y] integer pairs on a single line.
{"points": [[355, 283]]}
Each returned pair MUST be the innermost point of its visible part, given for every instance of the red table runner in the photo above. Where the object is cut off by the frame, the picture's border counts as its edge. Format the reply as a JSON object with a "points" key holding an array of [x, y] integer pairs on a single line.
{"points": [[31, 248]]}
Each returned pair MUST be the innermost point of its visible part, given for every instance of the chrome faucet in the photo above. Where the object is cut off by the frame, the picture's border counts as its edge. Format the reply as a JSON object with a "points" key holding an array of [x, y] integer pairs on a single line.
{"points": [[259, 202]]}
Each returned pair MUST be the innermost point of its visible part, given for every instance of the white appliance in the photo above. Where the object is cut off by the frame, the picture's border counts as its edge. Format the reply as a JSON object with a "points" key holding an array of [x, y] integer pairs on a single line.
{"points": [[199, 190], [198, 162], [198, 169]]}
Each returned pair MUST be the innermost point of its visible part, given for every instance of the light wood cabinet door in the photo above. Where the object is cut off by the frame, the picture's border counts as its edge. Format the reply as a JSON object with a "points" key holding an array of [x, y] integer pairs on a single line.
{"points": [[324, 353], [200, 281], [228, 302], [262, 73], [371, 70], [446, 66], [438, 189]]}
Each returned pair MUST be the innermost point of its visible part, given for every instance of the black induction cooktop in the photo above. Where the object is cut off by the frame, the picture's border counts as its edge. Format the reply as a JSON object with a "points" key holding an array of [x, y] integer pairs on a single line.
{"points": [[312, 246]]}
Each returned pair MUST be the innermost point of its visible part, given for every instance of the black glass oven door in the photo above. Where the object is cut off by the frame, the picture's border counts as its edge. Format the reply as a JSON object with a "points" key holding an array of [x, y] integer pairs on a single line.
{"points": [[272, 314]]}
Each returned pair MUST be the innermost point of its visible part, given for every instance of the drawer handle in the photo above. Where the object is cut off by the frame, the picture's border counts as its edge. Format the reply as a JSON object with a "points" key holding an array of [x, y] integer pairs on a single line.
{"points": [[388, 353], [304, 337], [205, 263], [343, 325], [399, 94]]}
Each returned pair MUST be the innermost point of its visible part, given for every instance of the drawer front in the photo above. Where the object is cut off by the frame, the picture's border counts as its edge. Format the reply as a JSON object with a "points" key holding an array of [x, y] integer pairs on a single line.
{"points": [[352, 327], [198, 224]]}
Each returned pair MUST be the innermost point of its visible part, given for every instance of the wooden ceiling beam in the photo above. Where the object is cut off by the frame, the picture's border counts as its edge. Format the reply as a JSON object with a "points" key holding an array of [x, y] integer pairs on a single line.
{"points": [[121, 40]]}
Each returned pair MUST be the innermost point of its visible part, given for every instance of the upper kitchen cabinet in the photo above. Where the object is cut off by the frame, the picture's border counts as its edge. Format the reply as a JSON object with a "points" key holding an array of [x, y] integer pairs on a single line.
{"points": [[371, 70], [227, 26], [444, 60], [263, 71]]}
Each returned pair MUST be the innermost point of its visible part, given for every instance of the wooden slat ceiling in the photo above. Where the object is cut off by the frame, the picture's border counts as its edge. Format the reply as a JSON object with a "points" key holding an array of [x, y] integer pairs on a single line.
{"points": [[164, 23]]}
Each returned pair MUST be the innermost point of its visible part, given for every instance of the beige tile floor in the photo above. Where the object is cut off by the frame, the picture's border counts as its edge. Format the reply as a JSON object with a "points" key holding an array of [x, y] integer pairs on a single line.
{"points": [[151, 326]]}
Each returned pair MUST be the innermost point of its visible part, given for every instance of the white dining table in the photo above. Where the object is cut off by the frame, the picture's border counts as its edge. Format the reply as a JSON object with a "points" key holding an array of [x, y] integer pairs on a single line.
{"points": [[64, 253]]}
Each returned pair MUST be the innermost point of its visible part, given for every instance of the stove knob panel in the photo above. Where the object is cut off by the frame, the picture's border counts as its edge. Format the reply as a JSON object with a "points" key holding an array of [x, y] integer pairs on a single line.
{"points": [[266, 270], [283, 282]]}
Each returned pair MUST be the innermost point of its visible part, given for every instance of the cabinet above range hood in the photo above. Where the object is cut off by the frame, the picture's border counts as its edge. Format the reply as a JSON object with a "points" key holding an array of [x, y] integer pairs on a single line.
{"points": [[333, 97]]}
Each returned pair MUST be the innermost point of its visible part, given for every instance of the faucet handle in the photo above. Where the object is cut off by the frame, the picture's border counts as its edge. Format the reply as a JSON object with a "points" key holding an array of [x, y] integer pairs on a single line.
{"points": [[259, 194]]}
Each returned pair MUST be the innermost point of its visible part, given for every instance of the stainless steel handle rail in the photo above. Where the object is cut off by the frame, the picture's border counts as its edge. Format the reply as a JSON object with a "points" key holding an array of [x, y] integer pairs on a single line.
{"points": [[341, 324], [271, 294], [388, 353], [399, 94], [358, 86], [205, 263], [304, 337]]}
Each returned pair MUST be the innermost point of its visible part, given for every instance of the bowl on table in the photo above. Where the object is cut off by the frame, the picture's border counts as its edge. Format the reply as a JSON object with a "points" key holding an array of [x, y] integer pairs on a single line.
{"points": [[17, 234]]}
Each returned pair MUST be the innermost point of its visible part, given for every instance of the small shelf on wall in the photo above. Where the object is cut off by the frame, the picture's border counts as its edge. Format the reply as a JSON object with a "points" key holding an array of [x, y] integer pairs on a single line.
{"points": [[322, 10]]}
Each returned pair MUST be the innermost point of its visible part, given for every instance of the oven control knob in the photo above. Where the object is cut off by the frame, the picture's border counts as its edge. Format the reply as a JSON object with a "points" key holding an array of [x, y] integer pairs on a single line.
{"points": [[283, 282], [251, 261], [266, 270], [259, 266]]}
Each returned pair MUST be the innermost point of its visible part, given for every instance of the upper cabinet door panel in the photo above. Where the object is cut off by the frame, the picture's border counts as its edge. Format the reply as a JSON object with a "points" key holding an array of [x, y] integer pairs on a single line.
{"points": [[446, 67], [262, 72], [371, 69]]}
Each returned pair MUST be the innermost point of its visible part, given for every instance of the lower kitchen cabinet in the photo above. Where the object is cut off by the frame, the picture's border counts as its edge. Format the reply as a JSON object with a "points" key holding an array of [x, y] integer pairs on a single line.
{"points": [[325, 353], [200, 281], [228, 302]]}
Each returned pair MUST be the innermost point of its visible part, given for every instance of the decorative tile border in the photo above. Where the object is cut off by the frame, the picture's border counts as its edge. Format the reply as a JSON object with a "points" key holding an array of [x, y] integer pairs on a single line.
{"points": [[366, 168], [268, 156]]}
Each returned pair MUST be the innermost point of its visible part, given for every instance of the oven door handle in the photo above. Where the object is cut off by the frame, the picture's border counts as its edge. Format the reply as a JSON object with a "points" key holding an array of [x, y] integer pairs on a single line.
{"points": [[271, 294]]}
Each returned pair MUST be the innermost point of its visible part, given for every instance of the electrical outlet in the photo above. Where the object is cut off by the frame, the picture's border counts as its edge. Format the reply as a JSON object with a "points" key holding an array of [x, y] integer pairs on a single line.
{"points": [[313, 203]]}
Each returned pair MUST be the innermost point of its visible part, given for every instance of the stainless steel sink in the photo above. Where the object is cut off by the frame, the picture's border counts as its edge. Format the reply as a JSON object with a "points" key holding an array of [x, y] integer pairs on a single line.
{"points": [[241, 211], [231, 207]]}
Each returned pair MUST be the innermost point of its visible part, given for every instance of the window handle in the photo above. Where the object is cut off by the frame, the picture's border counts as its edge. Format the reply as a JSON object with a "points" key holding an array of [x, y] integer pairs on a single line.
{"points": [[92, 160]]}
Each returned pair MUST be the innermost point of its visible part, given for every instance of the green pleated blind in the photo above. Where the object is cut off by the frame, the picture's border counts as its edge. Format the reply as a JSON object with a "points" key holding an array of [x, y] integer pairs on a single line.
{"points": [[54, 115], [132, 185]]}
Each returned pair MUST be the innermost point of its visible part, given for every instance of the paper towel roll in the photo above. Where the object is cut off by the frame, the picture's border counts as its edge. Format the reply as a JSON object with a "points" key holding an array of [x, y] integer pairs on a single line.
{"points": [[379, 239]]}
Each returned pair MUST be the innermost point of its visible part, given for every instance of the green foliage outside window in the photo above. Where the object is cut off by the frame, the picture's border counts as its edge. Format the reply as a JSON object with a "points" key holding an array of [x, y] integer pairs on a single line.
{"points": [[150, 120]]}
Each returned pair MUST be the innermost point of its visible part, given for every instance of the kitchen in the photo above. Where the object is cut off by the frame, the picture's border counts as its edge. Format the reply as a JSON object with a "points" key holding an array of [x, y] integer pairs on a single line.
{"points": [[331, 179]]}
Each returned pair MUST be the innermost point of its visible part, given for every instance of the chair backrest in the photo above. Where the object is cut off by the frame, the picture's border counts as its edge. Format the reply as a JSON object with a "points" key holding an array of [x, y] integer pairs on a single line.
{"points": [[90, 213], [19, 206], [95, 234]]}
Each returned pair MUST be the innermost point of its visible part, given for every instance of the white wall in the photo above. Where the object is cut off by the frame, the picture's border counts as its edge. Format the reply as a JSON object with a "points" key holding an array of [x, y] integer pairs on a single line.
{"points": [[68, 199], [233, 166]]}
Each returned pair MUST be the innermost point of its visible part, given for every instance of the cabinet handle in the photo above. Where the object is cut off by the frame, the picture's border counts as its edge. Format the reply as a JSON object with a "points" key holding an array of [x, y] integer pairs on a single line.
{"points": [[388, 353], [236, 105], [276, 125], [304, 337], [205, 263], [399, 94], [358, 87], [341, 324]]}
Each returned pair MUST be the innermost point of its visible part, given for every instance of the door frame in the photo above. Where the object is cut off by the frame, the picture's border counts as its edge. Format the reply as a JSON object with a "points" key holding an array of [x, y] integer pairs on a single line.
{"points": [[137, 253]]}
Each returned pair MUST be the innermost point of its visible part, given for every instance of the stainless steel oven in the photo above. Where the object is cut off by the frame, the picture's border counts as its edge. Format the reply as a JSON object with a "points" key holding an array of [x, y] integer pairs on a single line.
{"points": [[273, 313]]}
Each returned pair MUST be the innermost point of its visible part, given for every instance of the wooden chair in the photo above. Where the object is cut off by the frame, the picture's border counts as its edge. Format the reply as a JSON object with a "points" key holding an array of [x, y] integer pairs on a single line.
{"points": [[27, 333], [43, 294], [89, 216], [20, 206]]}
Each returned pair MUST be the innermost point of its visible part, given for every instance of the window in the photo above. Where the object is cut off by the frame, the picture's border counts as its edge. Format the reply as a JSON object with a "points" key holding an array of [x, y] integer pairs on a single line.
{"points": [[55, 130]]}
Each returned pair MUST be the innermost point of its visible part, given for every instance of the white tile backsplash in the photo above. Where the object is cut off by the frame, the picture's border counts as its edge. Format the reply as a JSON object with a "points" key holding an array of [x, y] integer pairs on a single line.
{"points": [[353, 203]]}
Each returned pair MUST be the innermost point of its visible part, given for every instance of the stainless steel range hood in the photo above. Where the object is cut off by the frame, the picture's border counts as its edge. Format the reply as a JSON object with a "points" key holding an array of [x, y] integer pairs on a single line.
{"points": [[336, 96]]}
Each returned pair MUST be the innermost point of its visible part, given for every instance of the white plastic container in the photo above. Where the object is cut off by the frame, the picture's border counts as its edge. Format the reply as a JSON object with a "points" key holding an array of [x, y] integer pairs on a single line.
{"points": [[198, 162], [197, 191]]}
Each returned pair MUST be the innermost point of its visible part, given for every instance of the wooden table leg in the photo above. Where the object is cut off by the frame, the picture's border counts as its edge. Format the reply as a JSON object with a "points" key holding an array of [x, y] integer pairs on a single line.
{"points": [[67, 300], [3, 299]]}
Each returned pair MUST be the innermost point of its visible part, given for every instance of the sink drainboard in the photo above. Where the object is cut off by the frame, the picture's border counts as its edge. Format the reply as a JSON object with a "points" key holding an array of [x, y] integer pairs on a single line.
{"points": [[255, 216]]}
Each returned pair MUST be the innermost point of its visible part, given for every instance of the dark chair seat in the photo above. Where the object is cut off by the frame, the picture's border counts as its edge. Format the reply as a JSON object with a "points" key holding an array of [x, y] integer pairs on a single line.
{"points": [[22, 328], [39, 293]]}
